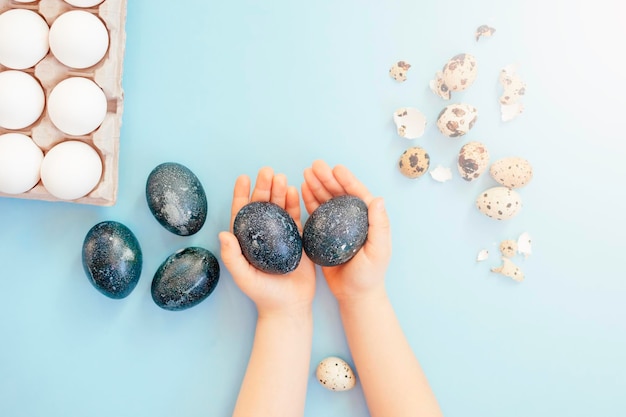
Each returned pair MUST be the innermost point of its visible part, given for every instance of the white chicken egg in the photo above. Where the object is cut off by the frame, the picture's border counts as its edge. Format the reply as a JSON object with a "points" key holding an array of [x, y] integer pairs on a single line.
{"points": [[71, 170], [78, 39], [20, 162], [23, 38], [84, 3], [77, 106], [22, 100]]}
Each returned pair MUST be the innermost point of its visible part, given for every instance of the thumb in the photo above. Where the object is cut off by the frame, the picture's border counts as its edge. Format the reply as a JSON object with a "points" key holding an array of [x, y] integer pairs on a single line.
{"points": [[379, 231], [231, 254]]}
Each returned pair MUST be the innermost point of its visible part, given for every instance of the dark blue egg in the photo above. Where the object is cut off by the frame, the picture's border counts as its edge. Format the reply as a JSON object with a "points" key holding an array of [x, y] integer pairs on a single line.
{"points": [[176, 198], [185, 279], [269, 237], [335, 231], [112, 259]]}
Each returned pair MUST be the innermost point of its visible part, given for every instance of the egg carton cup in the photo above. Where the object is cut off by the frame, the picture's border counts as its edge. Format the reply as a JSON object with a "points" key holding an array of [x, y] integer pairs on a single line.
{"points": [[107, 74]]}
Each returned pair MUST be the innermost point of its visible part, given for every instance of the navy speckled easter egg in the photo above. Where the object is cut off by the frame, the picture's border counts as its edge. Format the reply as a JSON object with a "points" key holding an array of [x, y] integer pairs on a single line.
{"points": [[176, 198], [335, 231], [269, 237], [185, 279], [112, 259]]}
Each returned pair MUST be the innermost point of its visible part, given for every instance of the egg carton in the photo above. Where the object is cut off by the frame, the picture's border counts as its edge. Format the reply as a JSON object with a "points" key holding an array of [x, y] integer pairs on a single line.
{"points": [[107, 74]]}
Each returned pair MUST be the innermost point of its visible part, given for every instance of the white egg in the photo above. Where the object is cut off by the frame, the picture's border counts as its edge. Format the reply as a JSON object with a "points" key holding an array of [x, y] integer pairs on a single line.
{"points": [[23, 38], [77, 106], [84, 3], [71, 170], [335, 374], [20, 162], [22, 100], [78, 39]]}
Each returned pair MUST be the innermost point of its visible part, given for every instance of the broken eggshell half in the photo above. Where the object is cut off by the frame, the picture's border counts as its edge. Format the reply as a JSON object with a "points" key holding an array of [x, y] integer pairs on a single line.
{"points": [[410, 122]]}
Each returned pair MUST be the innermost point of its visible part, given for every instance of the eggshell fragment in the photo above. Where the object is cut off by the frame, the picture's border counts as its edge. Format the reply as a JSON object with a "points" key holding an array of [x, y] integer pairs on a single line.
{"points": [[483, 255], [508, 248], [441, 173], [509, 269], [410, 122], [500, 203], [524, 245], [473, 160], [335, 374], [513, 90], [398, 71], [484, 30], [414, 162], [457, 75], [511, 172], [456, 119]]}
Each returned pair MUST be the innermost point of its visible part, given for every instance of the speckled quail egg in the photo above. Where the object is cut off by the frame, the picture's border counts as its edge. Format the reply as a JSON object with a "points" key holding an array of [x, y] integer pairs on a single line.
{"points": [[414, 162], [269, 237], [335, 374], [112, 259], [473, 160], [457, 75], [513, 172], [500, 203], [176, 198], [457, 119], [336, 230], [185, 279]]}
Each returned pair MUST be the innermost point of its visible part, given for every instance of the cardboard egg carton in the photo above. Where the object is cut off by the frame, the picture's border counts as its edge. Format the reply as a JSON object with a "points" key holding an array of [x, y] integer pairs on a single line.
{"points": [[107, 74]]}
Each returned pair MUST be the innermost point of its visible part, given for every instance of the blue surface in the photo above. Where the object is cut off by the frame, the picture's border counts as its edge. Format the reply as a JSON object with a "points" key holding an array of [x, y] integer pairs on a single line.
{"points": [[228, 87]]}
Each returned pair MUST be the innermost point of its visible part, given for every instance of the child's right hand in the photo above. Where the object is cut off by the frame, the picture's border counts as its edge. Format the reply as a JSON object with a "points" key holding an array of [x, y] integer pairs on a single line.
{"points": [[362, 276]]}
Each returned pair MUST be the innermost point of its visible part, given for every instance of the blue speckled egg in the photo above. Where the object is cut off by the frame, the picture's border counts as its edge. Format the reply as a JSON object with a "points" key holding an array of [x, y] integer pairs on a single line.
{"points": [[185, 279], [335, 231], [112, 259], [176, 198], [269, 237]]}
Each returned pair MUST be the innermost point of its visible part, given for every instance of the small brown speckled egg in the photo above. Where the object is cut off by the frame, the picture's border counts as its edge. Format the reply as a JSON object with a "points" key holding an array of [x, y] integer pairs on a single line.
{"points": [[414, 162], [512, 172], [473, 160], [500, 203], [457, 75], [457, 119], [508, 248], [335, 374]]}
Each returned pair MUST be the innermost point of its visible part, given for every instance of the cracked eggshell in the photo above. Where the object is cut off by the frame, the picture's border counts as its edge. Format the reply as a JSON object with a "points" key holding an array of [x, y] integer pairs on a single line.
{"points": [[513, 86], [499, 203], [512, 172], [508, 248], [414, 162], [473, 160], [524, 244], [441, 173], [457, 119], [509, 269], [335, 374], [484, 30], [398, 71], [410, 122], [457, 75]]}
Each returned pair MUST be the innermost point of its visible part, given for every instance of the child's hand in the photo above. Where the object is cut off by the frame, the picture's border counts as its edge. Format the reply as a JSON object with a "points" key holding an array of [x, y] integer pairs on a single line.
{"points": [[364, 274], [273, 294]]}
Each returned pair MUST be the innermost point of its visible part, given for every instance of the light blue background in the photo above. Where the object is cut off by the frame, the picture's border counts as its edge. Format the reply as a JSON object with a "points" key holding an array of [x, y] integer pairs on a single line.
{"points": [[228, 87]]}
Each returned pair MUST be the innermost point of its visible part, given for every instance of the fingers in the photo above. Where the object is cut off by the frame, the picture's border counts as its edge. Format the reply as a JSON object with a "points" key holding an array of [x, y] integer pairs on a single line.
{"points": [[351, 184], [278, 194], [231, 255], [326, 176], [263, 186], [379, 231], [292, 205], [241, 196]]}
